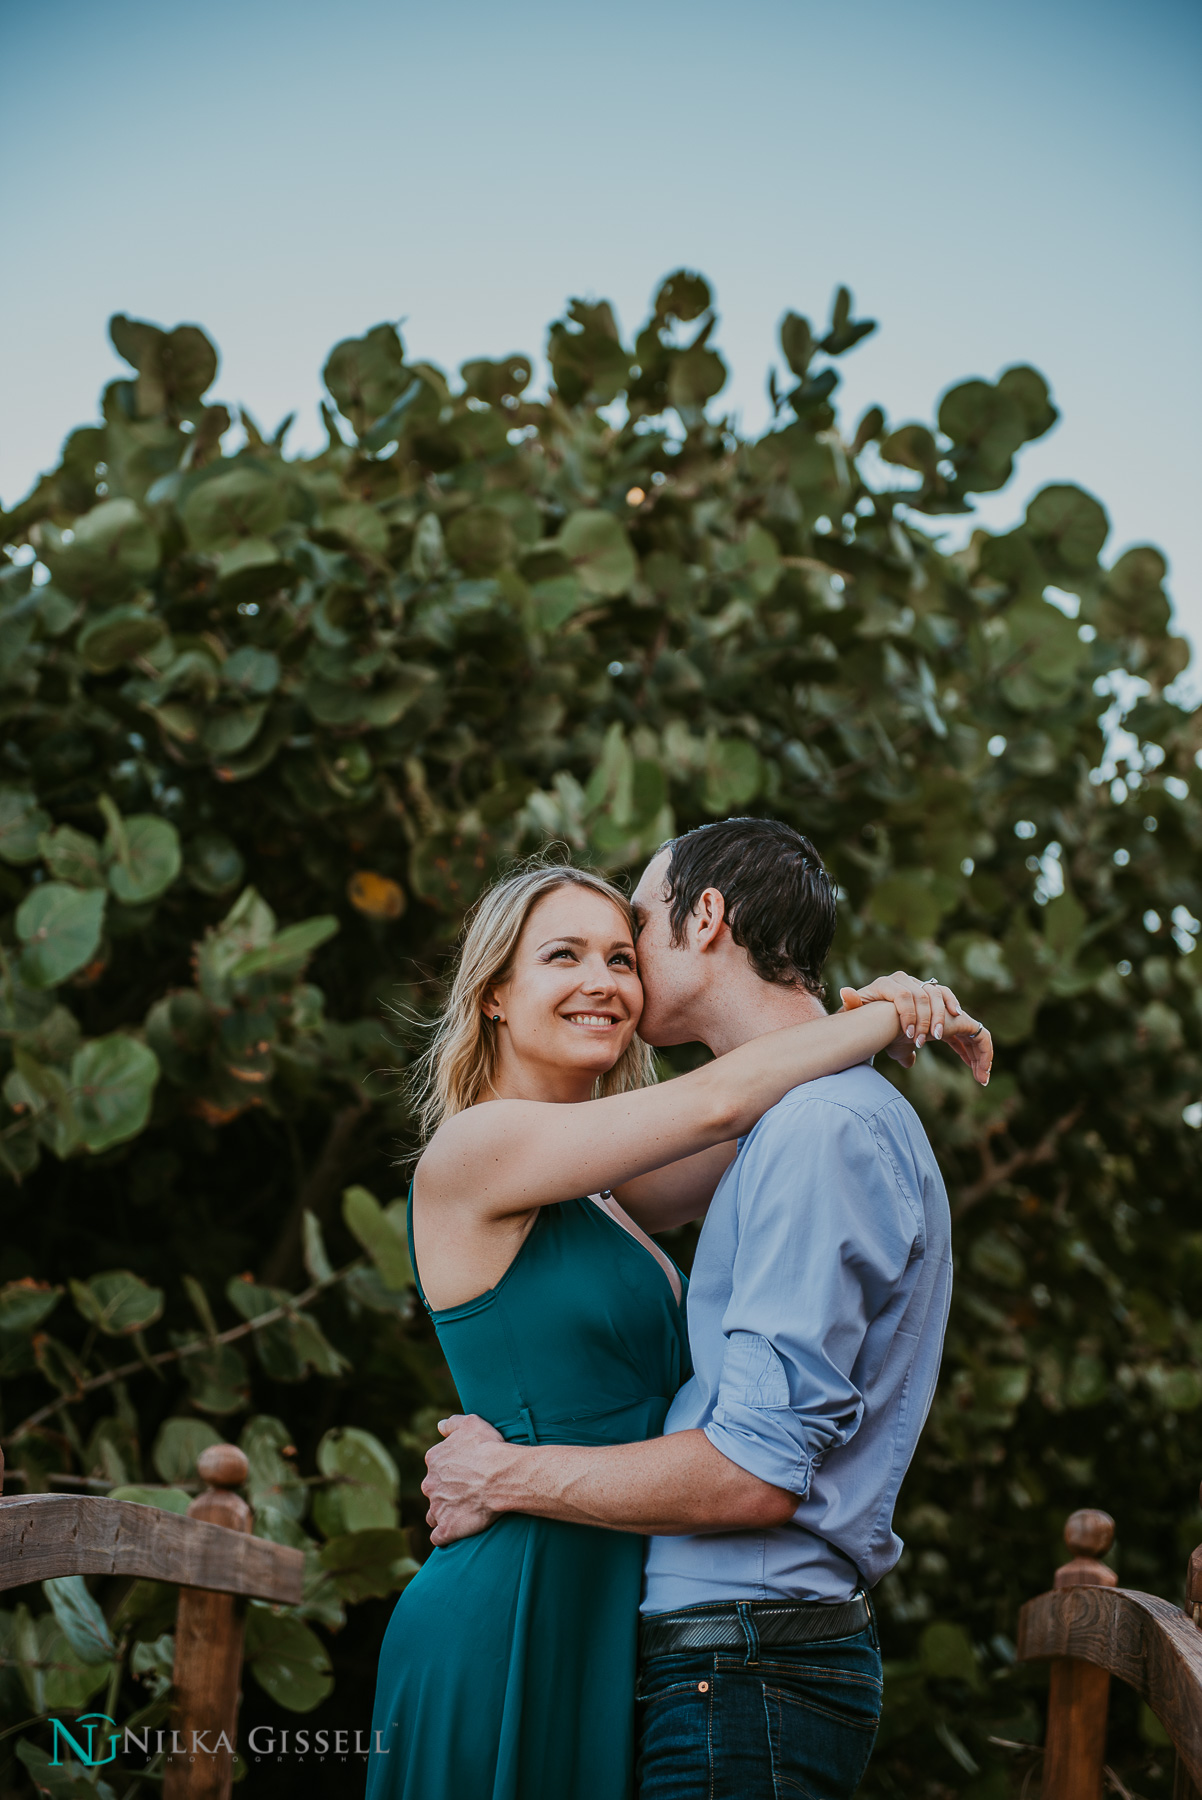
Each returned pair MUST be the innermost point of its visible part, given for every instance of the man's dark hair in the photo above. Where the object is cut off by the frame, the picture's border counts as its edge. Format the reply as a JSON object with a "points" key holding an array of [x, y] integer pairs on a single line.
{"points": [[780, 901]]}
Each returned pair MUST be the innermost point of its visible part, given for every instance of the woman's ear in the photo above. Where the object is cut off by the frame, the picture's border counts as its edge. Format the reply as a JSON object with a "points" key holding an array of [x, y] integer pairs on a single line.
{"points": [[490, 1006]]}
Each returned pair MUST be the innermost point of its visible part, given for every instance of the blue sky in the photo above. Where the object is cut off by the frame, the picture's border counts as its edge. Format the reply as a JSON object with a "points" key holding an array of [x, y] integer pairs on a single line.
{"points": [[996, 184]]}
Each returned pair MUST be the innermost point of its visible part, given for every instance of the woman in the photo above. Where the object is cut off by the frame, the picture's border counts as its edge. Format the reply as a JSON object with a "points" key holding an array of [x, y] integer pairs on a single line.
{"points": [[507, 1671]]}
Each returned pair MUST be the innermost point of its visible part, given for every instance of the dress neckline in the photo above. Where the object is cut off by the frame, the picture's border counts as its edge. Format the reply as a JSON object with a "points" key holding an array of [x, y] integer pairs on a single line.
{"points": [[624, 1222]]}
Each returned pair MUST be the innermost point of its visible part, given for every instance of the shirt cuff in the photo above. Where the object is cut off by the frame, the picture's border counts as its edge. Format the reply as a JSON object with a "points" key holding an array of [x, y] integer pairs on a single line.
{"points": [[760, 1441]]}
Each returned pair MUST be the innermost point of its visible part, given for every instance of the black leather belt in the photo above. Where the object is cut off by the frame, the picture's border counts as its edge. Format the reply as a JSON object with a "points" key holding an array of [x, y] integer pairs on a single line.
{"points": [[719, 1627]]}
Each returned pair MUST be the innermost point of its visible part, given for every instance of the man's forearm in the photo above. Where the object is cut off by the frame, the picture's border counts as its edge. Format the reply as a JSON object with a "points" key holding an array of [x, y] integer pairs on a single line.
{"points": [[665, 1487]]}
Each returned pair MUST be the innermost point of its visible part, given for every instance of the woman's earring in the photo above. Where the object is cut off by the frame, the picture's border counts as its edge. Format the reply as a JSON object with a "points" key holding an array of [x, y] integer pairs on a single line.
{"points": [[496, 1018]]}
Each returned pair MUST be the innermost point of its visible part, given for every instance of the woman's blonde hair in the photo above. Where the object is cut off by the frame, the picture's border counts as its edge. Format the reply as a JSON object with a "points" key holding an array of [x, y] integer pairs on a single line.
{"points": [[458, 1065]]}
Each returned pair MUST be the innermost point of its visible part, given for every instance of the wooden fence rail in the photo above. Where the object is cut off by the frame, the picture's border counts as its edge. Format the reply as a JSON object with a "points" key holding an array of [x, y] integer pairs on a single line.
{"points": [[215, 1561], [1091, 1629]]}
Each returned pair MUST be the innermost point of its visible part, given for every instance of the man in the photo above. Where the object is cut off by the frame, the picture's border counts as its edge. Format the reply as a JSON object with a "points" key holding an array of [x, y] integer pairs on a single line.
{"points": [[817, 1306]]}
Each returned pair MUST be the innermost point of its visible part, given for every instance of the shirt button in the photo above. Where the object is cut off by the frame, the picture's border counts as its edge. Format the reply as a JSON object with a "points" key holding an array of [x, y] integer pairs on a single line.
{"points": [[703, 1687]]}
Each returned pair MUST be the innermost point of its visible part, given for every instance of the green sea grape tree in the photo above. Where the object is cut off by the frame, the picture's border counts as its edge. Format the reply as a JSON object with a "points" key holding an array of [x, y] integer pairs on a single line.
{"points": [[270, 723]]}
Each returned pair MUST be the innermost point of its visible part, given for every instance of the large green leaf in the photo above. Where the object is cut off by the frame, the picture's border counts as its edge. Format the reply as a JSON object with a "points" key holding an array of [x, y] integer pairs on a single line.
{"points": [[242, 503], [25, 1303], [168, 1499], [733, 774], [22, 823], [179, 1443], [82, 1623], [145, 861], [73, 856], [1070, 523], [287, 952], [251, 671], [599, 551], [213, 863], [274, 1484], [60, 928], [364, 1497], [55, 1677], [109, 549], [118, 1303], [174, 367], [367, 375], [286, 1659], [118, 636], [368, 1564], [382, 1233], [217, 1379], [114, 1079]]}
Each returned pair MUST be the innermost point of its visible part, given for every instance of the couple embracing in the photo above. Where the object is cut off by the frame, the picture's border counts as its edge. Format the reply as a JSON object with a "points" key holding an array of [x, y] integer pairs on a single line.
{"points": [[731, 1472]]}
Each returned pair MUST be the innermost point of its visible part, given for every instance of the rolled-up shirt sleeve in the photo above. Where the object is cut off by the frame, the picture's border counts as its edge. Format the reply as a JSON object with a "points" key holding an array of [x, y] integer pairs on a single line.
{"points": [[825, 1233]]}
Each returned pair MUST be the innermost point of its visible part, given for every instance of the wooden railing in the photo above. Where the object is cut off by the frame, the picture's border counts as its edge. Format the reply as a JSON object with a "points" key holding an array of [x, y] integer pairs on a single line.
{"points": [[209, 1552], [1092, 1629]]}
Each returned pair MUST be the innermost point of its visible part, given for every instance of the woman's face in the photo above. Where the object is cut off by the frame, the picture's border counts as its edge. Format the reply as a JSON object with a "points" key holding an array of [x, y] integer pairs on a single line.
{"points": [[573, 997]]}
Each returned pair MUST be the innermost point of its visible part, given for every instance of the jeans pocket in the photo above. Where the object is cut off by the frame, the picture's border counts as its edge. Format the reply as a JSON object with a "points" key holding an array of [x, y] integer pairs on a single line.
{"points": [[675, 1718], [684, 1674], [820, 1736]]}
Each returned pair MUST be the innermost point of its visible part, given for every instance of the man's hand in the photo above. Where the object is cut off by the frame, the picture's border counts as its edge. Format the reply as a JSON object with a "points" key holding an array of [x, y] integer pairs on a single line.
{"points": [[456, 1486], [927, 1010]]}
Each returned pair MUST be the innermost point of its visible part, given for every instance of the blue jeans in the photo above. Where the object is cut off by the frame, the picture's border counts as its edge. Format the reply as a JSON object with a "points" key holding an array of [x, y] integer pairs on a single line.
{"points": [[776, 1721]]}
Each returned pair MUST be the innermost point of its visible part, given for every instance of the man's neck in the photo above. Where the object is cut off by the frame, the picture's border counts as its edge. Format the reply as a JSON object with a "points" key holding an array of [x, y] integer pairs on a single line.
{"points": [[746, 1010]]}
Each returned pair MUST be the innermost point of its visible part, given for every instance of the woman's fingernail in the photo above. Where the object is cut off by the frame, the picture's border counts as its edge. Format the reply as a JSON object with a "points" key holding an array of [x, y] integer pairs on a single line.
{"points": [[920, 1040], [909, 1031], [939, 1031]]}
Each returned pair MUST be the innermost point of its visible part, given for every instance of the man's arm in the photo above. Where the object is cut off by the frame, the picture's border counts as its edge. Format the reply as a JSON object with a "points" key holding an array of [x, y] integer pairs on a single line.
{"points": [[665, 1487]]}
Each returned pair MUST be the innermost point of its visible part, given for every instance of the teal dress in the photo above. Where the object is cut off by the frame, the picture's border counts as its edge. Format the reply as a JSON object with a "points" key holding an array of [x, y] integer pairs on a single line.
{"points": [[508, 1667]]}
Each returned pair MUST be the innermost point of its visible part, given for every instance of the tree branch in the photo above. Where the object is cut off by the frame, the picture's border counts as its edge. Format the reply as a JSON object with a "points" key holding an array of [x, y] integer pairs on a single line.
{"points": [[994, 1174], [231, 1336], [315, 1193]]}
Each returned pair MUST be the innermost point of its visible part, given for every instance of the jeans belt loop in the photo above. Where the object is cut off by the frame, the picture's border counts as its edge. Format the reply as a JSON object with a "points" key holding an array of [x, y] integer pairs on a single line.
{"points": [[747, 1621]]}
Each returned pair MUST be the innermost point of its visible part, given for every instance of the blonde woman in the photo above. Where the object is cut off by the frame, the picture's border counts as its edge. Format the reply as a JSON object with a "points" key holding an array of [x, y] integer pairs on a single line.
{"points": [[507, 1670]]}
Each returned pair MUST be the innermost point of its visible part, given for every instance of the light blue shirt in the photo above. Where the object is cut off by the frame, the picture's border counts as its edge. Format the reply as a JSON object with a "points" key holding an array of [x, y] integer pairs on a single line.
{"points": [[817, 1307]]}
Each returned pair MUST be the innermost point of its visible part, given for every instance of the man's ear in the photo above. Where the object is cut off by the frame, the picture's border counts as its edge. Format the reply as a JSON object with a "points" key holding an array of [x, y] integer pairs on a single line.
{"points": [[709, 919]]}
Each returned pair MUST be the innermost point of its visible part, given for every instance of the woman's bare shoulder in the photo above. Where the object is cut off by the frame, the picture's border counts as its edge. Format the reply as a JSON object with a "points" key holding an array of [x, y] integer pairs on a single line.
{"points": [[455, 1152]]}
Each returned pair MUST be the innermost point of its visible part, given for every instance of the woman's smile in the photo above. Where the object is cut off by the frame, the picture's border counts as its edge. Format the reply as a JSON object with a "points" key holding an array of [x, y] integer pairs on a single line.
{"points": [[592, 1021]]}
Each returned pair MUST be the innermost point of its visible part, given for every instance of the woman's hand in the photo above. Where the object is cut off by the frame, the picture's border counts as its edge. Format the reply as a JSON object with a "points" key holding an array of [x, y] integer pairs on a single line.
{"points": [[926, 1010]]}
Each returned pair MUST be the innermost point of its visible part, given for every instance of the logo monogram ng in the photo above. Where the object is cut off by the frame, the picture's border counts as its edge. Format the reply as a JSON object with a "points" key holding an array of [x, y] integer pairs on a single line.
{"points": [[88, 1721]]}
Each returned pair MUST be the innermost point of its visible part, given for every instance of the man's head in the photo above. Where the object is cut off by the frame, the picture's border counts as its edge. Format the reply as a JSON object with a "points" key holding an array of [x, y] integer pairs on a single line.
{"points": [[724, 913]]}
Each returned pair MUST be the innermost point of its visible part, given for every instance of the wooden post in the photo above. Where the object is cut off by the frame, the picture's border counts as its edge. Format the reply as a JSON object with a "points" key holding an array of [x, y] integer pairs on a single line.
{"points": [[208, 1651], [1079, 1694], [1183, 1787]]}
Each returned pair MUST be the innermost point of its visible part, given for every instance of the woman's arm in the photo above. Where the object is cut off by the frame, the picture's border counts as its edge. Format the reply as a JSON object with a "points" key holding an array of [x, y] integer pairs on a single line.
{"points": [[681, 1191], [511, 1156]]}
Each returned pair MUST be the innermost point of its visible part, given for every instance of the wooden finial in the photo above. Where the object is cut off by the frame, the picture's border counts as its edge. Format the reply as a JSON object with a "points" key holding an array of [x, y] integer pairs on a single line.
{"points": [[222, 1466], [1090, 1534], [208, 1645]]}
